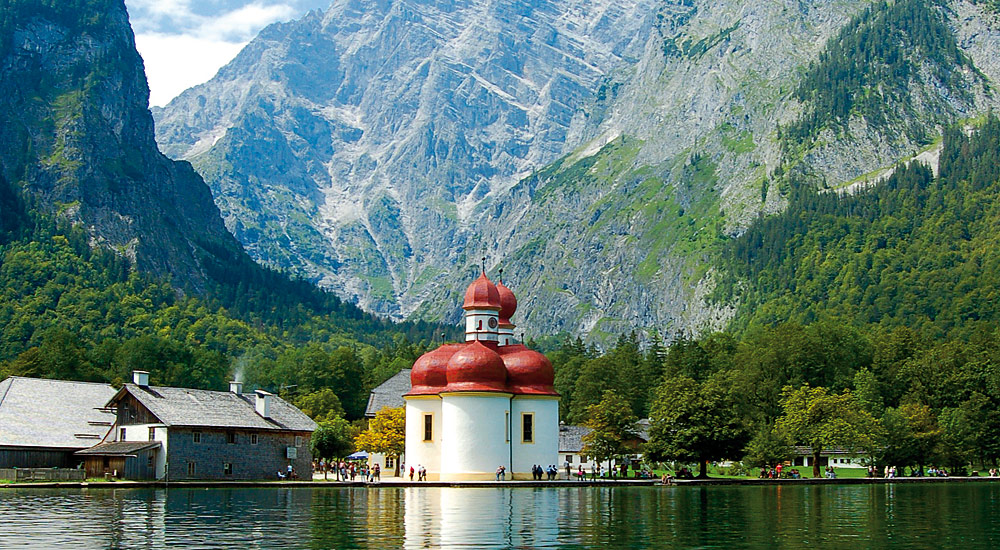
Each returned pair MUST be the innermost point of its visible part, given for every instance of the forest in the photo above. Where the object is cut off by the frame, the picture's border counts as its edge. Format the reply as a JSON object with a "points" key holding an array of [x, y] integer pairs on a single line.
{"points": [[72, 311], [868, 68], [866, 321]]}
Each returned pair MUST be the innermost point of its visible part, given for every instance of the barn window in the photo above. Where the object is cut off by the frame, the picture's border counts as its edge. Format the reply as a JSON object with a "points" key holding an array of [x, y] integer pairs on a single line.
{"points": [[298, 441], [196, 437], [152, 434], [253, 439], [121, 434], [149, 462], [191, 468], [231, 437], [227, 468]]}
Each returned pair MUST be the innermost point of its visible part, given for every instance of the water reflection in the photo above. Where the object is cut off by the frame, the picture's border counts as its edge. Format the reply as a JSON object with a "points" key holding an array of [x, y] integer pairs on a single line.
{"points": [[882, 516]]}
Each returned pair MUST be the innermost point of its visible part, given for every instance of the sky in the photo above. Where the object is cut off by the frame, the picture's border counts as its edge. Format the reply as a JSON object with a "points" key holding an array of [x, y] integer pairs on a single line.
{"points": [[185, 42]]}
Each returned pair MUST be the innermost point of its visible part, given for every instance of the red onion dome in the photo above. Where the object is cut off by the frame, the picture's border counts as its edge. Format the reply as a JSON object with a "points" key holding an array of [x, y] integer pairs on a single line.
{"points": [[476, 368], [482, 294], [508, 304], [528, 372], [428, 376]]}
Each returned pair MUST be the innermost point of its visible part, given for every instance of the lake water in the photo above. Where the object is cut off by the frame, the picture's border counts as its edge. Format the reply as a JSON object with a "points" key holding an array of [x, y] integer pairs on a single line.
{"points": [[936, 516]]}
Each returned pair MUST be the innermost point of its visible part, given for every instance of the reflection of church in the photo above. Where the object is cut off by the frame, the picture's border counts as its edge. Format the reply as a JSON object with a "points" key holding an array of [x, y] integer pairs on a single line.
{"points": [[486, 403]]}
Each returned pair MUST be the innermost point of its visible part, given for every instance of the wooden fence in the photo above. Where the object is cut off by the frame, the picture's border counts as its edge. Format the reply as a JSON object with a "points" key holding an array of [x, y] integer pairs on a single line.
{"points": [[42, 474]]}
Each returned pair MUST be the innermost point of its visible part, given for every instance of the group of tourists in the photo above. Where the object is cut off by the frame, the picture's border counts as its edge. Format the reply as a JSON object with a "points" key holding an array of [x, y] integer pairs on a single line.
{"points": [[421, 472], [348, 471], [778, 471], [289, 473], [890, 472], [537, 471]]}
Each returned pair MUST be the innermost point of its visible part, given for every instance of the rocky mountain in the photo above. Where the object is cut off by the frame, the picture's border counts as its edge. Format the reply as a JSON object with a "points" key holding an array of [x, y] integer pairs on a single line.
{"points": [[359, 145], [601, 151], [76, 140]]}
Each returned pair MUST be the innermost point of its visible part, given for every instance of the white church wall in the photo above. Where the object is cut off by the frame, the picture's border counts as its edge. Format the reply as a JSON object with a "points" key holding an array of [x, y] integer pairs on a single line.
{"points": [[544, 449], [419, 451], [475, 435]]}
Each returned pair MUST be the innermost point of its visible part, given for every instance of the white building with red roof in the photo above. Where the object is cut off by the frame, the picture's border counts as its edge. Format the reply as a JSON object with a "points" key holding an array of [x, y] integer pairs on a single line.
{"points": [[485, 403]]}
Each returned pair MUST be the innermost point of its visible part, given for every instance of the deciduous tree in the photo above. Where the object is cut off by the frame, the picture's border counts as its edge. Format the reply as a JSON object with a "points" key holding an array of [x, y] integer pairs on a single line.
{"points": [[821, 420], [612, 425], [699, 422], [386, 434]]}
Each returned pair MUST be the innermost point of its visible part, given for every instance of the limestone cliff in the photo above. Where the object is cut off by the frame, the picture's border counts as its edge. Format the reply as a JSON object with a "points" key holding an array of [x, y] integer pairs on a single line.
{"points": [[76, 139], [600, 151]]}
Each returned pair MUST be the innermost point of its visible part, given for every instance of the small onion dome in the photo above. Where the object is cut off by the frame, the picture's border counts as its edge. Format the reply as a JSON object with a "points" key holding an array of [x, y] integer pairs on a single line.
{"points": [[428, 376], [528, 372], [482, 294], [476, 367], [508, 304]]}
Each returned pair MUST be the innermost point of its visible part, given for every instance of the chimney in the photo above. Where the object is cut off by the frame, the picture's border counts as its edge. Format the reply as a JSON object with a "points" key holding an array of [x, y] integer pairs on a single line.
{"points": [[263, 405], [140, 378], [236, 387]]}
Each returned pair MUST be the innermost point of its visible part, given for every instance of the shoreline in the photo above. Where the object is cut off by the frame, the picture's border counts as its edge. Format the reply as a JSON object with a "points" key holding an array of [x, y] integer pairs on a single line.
{"points": [[397, 483]]}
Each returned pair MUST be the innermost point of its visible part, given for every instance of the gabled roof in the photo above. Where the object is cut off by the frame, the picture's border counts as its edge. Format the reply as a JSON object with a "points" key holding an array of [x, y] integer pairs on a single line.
{"points": [[216, 409], [389, 393], [62, 414], [118, 448], [571, 437]]}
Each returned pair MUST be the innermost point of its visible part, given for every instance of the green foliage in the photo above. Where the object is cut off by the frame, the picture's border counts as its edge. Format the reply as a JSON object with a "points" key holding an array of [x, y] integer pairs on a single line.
{"points": [[70, 311], [321, 405], [686, 46], [612, 425], [767, 448], [912, 435], [815, 418], [333, 438], [866, 70], [692, 421], [583, 376], [912, 251]]}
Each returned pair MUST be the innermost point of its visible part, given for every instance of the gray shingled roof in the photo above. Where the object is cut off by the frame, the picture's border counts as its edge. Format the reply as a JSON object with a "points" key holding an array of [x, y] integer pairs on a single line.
{"points": [[389, 393], [571, 437], [63, 414], [217, 409], [118, 448]]}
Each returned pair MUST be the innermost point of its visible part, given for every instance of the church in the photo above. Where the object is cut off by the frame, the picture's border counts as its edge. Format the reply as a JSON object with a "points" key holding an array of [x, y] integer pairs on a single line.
{"points": [[485, 403]]}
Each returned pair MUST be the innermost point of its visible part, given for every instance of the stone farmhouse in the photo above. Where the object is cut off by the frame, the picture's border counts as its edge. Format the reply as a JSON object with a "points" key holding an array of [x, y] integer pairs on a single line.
{"points": [[177, 434], [148, 432]]}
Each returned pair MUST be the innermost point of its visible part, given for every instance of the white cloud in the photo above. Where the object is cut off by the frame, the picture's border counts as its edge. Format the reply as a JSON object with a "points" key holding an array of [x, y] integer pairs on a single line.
{"points": [[175, 63], [246, 21], [183, 46]]}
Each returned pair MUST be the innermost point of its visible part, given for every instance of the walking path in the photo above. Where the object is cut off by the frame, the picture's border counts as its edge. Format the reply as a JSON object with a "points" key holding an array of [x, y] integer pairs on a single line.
{"points": [[392, 482]]}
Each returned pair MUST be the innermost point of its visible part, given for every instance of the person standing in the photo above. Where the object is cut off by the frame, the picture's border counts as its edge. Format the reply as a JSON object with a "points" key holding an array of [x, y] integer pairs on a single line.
{"points": [[566, 465]]}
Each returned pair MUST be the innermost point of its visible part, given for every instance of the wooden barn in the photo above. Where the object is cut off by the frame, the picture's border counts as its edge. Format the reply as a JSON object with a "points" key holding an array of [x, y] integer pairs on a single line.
{"points": [[44, 422], [121, 459]]}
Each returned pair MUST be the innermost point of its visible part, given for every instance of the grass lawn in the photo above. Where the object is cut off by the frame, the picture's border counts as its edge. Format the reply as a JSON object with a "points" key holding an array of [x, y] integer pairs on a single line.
{"points": [[806, 472]]}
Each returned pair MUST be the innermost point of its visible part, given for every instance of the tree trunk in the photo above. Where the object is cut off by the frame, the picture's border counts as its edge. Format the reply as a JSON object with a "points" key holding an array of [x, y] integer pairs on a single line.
{"points": [[816, 463], [703, 470]]}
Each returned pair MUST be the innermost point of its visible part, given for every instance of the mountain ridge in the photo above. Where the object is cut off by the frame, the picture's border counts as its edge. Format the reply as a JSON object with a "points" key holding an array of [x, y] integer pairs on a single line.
{"points": [[679, 147]]}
